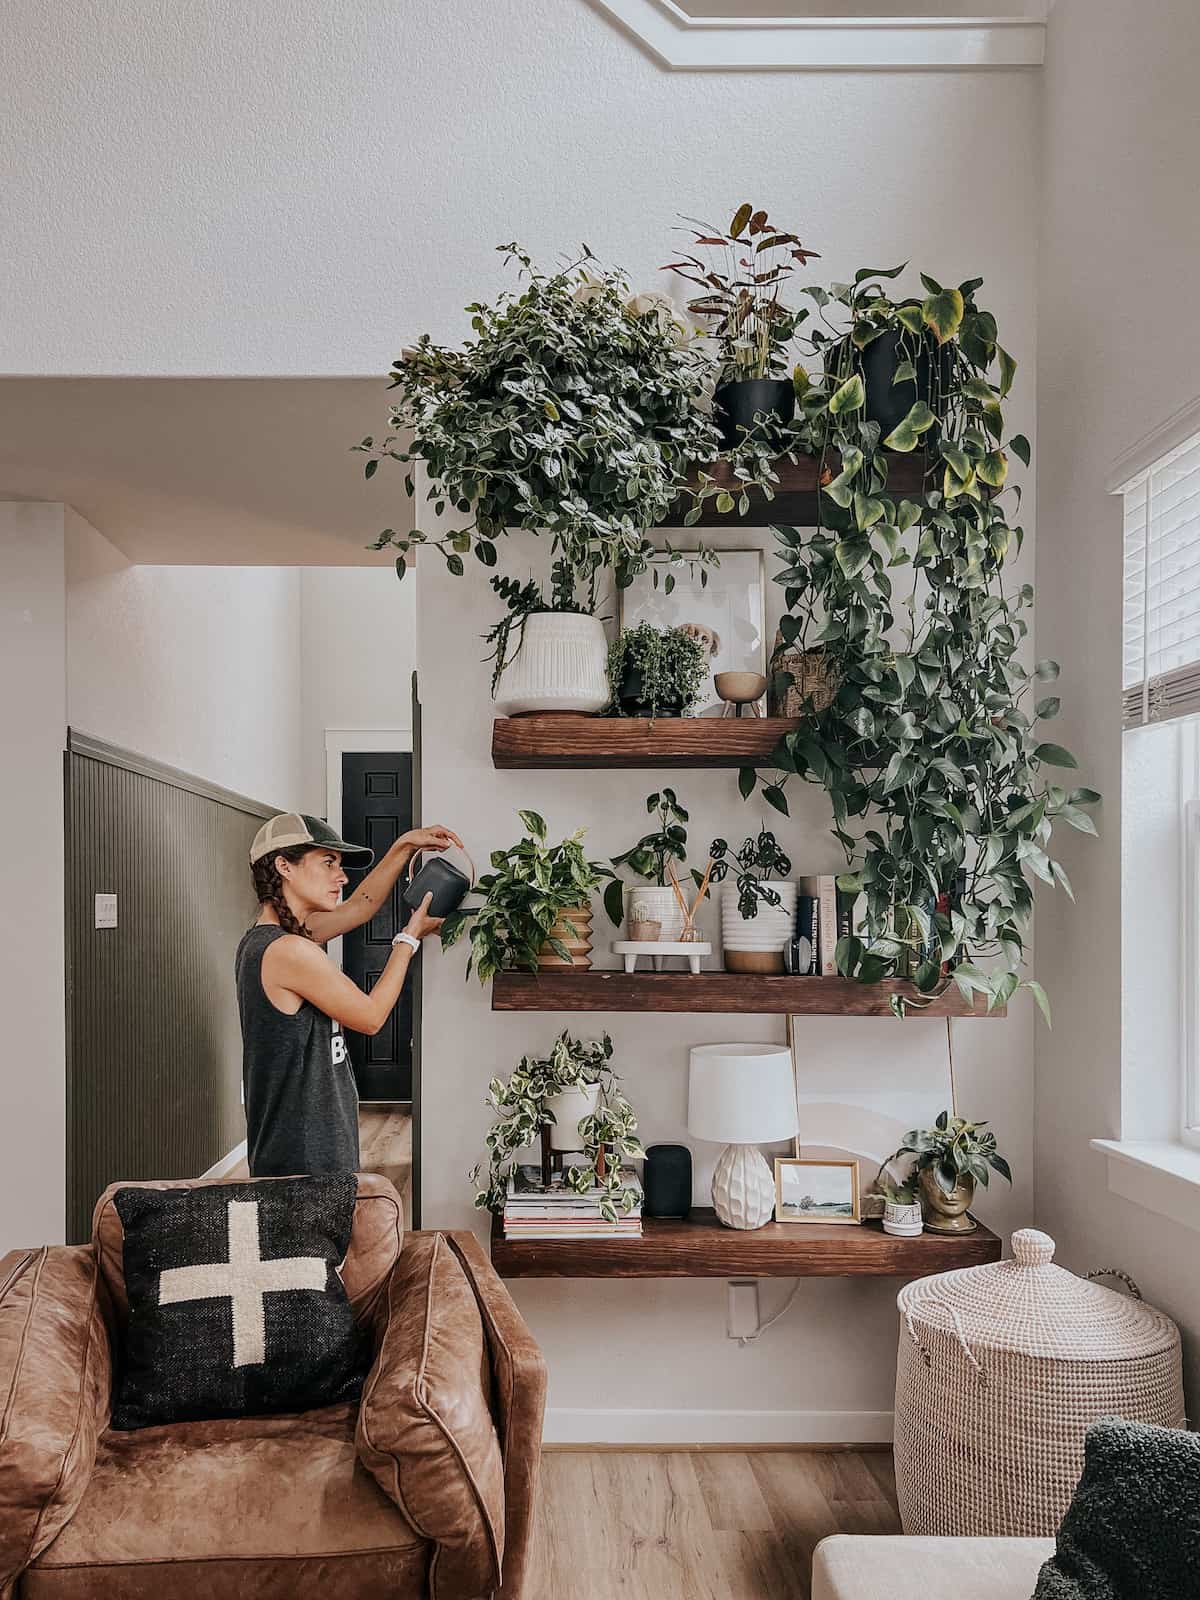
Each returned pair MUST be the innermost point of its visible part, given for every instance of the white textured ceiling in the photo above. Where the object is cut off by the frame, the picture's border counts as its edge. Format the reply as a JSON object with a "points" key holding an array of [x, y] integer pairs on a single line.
{"points": [[241, 471]]}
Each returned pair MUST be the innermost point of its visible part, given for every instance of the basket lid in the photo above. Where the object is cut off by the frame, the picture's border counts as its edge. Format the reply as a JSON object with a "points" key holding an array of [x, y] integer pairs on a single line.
{"points": [[1029, 1305]]}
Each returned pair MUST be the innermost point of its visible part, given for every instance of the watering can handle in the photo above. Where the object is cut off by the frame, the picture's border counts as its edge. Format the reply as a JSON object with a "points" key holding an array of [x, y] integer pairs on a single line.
{"points": [[416, 863]]}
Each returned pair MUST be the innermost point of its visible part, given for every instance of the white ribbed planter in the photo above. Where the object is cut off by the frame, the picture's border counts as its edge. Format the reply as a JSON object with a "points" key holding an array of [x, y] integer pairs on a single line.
{"points": [[562, 665], [770, 930], [569, 1108], [660, 905]]}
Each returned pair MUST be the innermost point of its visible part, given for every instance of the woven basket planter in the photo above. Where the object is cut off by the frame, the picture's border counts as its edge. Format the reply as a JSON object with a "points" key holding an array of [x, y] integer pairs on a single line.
{"points": [[1000, 1371], [813, 684]]}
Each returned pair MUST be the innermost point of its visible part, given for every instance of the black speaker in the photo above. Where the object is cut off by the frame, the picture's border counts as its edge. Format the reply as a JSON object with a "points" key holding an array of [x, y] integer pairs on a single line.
{"points": [[667, 1181]]}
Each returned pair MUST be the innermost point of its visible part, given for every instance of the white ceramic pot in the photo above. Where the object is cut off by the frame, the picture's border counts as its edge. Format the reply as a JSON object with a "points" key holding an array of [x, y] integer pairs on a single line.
{"points": [[770, 930], [562, 665], [904, 1221], [659, 905], [569, 1108]]}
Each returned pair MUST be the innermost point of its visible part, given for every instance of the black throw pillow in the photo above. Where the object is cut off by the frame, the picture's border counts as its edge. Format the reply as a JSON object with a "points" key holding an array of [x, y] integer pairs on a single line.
{"points": [[236, 1306], [1132, 1530]]}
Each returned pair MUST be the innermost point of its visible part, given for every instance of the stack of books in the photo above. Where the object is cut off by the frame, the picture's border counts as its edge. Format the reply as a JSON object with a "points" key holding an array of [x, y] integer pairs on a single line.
{"points": [[534, 1210]]}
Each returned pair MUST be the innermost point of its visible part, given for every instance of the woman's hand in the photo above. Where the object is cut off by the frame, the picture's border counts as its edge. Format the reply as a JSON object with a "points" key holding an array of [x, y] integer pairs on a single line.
{"points": [[421, 924], [434, 838]]}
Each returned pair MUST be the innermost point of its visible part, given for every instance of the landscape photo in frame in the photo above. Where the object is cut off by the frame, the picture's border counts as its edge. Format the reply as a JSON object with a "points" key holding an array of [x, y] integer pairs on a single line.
{"points": [[816, 1191]]}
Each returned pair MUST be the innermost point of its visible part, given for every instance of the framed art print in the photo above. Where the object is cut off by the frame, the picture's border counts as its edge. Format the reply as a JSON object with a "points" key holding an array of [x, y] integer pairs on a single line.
{"points": [[816, 1191]]}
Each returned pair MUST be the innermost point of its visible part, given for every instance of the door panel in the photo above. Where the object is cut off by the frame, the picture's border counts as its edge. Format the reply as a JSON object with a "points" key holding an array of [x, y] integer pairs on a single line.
{"points": [[376, 810]]}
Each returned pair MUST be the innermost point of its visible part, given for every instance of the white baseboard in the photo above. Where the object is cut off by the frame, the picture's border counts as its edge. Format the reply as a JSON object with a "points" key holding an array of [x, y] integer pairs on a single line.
{"points": [[584, 1426], [222, 1168]]}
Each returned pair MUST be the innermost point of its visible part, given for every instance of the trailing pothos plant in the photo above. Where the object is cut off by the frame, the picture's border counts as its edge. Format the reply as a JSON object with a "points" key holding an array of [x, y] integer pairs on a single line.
{"points": [[932, 751], [575, 410], [529, 887], [609, 1133]]}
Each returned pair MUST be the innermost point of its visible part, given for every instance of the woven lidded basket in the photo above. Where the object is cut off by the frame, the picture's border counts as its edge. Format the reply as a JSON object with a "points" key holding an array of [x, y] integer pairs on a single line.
{"points": [[1000, 1370]]}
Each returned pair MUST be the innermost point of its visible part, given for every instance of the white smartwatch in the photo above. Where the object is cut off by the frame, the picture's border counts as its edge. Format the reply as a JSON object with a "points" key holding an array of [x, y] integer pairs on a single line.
{"points": [[407, 938]]}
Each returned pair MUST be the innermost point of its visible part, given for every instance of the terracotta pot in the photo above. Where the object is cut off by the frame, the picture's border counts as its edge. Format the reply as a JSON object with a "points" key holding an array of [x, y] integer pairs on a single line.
{"points": [[574, 930], [946, 1213]]}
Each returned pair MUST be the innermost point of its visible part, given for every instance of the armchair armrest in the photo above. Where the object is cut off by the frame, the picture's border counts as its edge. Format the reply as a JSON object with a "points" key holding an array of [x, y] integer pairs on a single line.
{"points": [[519, 1376], [55, 1390], [425, 1428]]}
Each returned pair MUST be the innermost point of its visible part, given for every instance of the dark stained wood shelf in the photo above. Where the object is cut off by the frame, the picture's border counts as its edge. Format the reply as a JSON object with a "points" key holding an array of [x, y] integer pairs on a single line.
{"points": [[550, 740], [795, 502], [702, 1248], [587, 989]]}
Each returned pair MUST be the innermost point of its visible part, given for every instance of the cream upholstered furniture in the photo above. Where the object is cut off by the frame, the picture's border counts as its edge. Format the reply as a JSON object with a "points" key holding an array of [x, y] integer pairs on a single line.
{"points": [[425, 1487], [862, 1567]]}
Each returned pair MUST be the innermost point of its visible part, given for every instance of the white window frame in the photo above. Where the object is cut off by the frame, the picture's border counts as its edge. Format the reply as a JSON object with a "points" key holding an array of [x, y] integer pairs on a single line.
{"points": [[1189, 1054]]}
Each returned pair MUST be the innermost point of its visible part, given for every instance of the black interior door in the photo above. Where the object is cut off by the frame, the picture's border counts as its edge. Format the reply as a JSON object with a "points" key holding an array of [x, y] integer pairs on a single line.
{"points": [[376, 810]]}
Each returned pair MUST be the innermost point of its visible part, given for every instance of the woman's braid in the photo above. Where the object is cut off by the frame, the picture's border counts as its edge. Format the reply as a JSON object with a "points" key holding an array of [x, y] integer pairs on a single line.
{"points": [[268, 886]]}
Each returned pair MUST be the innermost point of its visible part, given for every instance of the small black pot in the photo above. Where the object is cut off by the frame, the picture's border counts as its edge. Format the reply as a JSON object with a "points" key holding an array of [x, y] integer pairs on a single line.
{"points": [[888, 404], [634, 701], [735, 405]]}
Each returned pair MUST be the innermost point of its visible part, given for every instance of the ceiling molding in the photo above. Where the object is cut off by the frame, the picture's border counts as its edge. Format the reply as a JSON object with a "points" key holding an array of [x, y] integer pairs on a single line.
{"points": [[683, 43]]}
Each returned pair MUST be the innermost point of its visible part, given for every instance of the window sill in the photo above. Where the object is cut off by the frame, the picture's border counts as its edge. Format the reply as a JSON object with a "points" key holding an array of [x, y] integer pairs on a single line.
{"points": [[1158, 1175]]}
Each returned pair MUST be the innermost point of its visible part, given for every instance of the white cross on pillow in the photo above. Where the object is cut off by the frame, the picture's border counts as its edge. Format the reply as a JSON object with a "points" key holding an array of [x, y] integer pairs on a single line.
{"points": [[245, 1278]]}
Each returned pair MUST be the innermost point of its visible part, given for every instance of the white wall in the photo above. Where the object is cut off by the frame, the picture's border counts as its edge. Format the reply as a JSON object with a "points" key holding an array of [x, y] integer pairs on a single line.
{"points": [[357, 652], [1117, 356], [649, 1361], [33, 723], [199, 667]]}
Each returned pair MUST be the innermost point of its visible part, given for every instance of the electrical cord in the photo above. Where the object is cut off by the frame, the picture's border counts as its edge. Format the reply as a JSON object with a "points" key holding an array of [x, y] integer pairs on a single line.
{"points": [[749, 1338]]}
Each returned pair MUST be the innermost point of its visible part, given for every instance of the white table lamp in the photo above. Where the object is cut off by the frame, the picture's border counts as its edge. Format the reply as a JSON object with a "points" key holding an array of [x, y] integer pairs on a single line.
{"points": [[741, 1096]]}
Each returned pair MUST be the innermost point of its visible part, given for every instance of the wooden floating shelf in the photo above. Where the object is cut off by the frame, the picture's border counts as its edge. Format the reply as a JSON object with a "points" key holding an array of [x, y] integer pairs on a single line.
{"points": [[795, 502], [702, 1248], [587, 989], [544, 741]]}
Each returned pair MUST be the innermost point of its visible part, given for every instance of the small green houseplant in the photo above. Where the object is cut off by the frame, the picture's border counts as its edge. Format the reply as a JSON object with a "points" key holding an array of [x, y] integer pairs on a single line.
{"points": [[758, 861], [649, 859], [949, 1160], [575, 410], [531, 885], [523, 1104], [741, 282], [528, 599], [656, 671]]}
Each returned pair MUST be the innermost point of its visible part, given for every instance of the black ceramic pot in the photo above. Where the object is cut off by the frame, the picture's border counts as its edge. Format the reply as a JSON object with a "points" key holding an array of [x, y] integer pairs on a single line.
{"points": [[889, 403], [735, 405], [635, 702]]}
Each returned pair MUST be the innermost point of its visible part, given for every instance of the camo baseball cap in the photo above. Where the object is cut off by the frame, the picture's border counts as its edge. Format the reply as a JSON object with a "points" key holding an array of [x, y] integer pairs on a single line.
{"points": [[291, 828]]}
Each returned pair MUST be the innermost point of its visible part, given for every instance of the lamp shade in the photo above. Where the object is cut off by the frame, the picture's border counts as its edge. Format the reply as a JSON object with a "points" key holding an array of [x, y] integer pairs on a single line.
{"points": [[741, 1093]]}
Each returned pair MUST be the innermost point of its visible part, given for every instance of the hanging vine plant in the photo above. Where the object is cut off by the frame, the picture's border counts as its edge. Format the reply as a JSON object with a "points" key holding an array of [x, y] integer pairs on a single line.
{"points": [[931, 750]]}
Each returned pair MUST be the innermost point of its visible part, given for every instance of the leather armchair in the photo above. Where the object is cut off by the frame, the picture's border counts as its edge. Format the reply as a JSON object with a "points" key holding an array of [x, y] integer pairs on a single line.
{"points": [[425, 1487]]}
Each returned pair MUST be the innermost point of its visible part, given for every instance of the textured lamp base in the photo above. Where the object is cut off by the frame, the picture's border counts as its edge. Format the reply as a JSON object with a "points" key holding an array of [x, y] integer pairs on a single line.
{"points": [[743, 1187]]}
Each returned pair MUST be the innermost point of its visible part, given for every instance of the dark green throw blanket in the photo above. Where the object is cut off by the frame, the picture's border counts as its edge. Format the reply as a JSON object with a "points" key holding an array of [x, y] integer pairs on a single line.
{"points": [[1132, 1531]]}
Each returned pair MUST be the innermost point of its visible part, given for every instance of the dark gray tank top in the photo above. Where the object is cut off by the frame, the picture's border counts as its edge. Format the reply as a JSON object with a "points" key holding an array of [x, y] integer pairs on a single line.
{"points": [[301, 1102]]}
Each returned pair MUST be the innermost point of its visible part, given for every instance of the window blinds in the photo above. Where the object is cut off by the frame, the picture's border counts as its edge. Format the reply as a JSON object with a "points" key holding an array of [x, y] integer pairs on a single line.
{"points": [[1162, 589]]}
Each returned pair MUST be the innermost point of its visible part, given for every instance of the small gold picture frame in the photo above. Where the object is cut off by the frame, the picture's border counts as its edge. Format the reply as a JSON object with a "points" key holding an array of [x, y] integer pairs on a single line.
{"points": [[816, 1190]]}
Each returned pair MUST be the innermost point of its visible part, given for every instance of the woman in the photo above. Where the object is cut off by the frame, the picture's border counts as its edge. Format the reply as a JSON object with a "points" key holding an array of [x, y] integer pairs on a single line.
{"points": [[301, 1102]]}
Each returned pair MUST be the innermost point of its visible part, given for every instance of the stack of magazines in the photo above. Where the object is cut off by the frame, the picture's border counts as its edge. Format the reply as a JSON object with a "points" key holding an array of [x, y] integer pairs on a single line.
{"points": [[535, 1210]]}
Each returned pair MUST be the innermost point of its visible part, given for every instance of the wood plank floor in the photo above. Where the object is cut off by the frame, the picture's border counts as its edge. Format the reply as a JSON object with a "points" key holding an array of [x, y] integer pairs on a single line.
{"points": [[385, 1145], [701, 1525]]}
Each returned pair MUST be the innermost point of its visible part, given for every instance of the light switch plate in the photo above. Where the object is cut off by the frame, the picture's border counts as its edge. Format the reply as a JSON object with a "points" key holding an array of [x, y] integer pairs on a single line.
{"points": [[106, 910]]}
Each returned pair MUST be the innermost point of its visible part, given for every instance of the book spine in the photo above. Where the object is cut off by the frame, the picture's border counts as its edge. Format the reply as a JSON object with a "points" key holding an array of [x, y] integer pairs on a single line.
{"points": [[806, 928], [827, 937]]}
